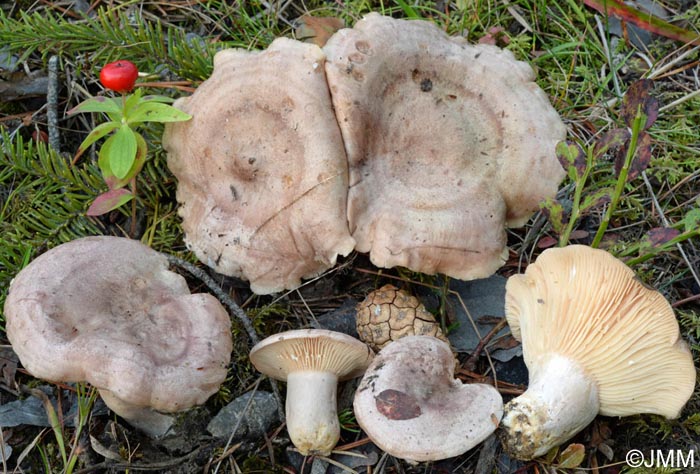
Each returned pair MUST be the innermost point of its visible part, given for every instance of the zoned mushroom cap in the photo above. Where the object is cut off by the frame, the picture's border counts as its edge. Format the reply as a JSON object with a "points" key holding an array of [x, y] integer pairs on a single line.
{"points": [[586, 305], [310, 350], [107, 310], [447, 143], [261, 169], [412, 407]]}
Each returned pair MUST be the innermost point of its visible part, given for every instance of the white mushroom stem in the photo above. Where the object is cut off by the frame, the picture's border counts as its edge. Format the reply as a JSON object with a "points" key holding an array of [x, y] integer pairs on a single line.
{"points": [[148, 420], [560, 401], [312, 412]]}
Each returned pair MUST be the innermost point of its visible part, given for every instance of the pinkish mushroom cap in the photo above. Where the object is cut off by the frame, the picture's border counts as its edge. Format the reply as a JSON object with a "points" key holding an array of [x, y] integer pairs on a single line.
{"points": [[412, 407], [261, 169], [107, 311], [447, 144]]}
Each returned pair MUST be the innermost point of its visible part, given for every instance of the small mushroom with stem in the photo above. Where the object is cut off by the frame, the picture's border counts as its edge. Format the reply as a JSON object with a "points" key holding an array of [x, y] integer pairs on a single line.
{"points": [[312, 362], [412, 407], [107, 311], [595, 340]]}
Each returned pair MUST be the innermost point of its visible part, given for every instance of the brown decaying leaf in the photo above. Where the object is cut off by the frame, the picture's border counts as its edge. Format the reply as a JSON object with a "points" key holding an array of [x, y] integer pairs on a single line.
{"points": [[397, 405], [572, 456], [612, 141], [638, 97], [640, 160], [317, 29], [644, 20], [642, 156], [660, 235]]}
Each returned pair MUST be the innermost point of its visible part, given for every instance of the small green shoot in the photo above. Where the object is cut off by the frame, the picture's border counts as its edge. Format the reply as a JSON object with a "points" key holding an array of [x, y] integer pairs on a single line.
{"points": [[124, 152]]}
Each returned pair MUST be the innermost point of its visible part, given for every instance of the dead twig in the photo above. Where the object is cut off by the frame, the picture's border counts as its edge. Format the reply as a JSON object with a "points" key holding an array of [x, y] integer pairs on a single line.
{"points": [[470, 363]]}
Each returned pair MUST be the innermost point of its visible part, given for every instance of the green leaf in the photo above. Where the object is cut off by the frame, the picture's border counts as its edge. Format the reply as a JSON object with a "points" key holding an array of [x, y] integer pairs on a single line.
{"points": [[97, 104], [108, 201], [122, 152], [572, 456], [595, 199], [158, 98], [131, 102], [103, 162], [572, 158], [157, 112], [97, 133], [555, 213], [691, 221]]}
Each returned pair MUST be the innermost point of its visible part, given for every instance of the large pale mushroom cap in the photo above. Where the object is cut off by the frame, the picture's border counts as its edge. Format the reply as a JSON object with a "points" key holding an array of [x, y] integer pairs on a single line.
{"points": [[262, 173], [107, 310], [586, 305], [447, 143], [412, 407]]}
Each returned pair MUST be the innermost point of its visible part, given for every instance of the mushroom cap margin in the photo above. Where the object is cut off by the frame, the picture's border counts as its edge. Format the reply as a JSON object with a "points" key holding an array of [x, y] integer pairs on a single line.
{"points": [[311, 350]]}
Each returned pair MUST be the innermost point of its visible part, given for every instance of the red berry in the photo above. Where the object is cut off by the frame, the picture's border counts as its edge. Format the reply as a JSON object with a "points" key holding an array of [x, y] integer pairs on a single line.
{"points": [[119, 76]]}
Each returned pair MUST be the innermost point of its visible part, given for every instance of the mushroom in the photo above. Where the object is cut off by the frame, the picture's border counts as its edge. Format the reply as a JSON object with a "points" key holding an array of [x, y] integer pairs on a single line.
{"points": [[411, 406], [447, 143], [388, 314], [312, 362], [261, 169], [595, 340], [107, 311]]}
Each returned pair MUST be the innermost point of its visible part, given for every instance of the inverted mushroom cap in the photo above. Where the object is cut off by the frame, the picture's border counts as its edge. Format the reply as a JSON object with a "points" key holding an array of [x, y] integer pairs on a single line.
{"points": [[410, 405], [447, 143], [262, 173], [595, 340], [312, 361], [107, 310], [311, 350], [587, 305]]}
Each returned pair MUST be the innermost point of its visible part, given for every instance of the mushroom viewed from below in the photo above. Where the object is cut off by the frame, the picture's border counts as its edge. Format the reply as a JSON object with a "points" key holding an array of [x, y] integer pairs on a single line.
{"points": [[595, 340], [412, 407], [447, 143], [261, 168], [312, 362], [107, 311]]}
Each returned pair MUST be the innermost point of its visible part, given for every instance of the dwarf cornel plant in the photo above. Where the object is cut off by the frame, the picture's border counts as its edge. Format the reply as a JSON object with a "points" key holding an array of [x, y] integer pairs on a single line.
{"points": [[124, 152]]}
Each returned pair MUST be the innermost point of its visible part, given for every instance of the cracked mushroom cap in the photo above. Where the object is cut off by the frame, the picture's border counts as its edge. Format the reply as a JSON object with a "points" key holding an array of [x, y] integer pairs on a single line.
{"points": [[106, 310], [595, 340], [412, 407], [261, 169], [447, 144]]}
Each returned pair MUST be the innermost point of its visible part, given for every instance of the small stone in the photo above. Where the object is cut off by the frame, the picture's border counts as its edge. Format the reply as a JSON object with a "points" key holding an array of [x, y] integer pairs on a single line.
{"points": [[261, 414]]}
